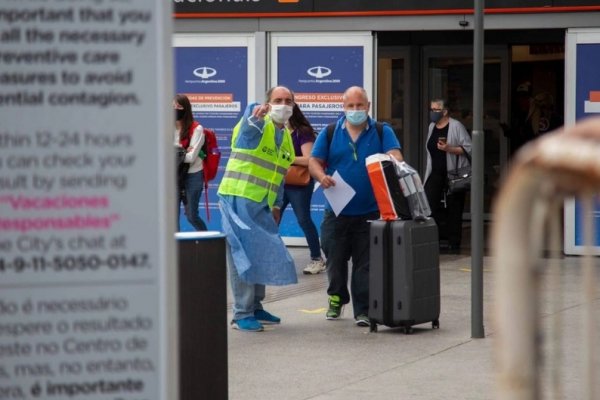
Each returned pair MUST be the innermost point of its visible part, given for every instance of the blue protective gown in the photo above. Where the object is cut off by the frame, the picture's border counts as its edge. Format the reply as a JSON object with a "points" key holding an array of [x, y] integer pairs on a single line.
{"points": [[259, 254]]}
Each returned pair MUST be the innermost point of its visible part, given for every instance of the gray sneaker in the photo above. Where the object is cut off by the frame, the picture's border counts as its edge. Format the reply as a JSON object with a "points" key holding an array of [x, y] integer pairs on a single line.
{"points": [[362, 320]]}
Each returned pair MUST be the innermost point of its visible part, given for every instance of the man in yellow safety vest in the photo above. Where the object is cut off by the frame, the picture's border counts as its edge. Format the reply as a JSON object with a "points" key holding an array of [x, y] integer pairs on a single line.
{"points": [[250, 195]]}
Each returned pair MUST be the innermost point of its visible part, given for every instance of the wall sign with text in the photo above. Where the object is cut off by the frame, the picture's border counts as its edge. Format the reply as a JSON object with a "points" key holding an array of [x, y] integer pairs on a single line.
{"points": [[87, 291], [582, 100], [319, 74], [213, 73]]}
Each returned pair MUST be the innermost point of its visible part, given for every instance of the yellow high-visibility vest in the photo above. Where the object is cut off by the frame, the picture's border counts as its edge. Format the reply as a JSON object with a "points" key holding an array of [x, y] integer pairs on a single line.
{"points": [[256, 173]]}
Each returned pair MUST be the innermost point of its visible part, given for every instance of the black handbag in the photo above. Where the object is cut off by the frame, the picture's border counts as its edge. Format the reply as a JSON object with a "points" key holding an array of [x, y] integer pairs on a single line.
{"points": [[459, 180], [182, 171]]}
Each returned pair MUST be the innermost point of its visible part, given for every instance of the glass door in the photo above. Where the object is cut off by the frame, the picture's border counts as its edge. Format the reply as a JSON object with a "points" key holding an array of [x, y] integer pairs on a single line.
{"points": [[448, 74], [393, 96]]}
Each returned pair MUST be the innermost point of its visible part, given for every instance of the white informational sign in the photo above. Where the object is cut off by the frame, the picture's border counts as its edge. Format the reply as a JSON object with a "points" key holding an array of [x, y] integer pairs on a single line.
{"points": [[87, 213], [582, 95]]}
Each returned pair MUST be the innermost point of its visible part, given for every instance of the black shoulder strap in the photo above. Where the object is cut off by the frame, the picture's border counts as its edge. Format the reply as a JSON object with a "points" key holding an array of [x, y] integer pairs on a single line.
{"points": [[331, 129], [379, 127], [466, 154]]}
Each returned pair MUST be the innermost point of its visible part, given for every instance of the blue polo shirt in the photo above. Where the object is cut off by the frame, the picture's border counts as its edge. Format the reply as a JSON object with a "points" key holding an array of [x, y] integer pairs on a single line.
{"points": [[348, 159]]}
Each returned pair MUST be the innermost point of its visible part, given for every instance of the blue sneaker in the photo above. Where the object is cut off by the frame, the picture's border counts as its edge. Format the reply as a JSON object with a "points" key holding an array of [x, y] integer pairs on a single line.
{"points": [[248, 324], [266, 317]]}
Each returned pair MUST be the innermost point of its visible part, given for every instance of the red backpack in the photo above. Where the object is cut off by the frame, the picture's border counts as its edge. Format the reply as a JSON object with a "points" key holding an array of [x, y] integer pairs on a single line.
{"points": [[210, 162], [212, 155]]}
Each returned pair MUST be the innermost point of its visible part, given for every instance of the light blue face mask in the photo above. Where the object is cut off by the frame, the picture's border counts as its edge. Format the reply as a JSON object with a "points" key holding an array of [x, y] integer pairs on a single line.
{"points": [[356, 117]]}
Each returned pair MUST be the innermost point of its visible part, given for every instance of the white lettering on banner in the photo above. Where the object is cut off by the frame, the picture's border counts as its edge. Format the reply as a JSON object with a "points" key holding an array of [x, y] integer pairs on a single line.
{"points": [[321, 106], [319, 80], [233, 106], [205, 81]]}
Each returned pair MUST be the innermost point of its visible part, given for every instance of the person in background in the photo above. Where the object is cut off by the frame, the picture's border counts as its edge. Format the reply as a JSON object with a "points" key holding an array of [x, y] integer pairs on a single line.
{"points": [[520, 130], [251, 194], [447, 142], [189, 135], [544, 117], [532, 116], [346, 236], [299, 197]]}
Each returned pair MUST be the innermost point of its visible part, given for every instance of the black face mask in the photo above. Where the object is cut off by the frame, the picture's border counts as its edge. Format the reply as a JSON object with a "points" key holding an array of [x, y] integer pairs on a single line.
{"points": [[179, 114], [435, 116]]}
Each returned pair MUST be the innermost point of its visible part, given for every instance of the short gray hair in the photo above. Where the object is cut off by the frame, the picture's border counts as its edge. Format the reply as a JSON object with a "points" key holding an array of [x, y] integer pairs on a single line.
{"points": [[362, 90], [442, 102]]}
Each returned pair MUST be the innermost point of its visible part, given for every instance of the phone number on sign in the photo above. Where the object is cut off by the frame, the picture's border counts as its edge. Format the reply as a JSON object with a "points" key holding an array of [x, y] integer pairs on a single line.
{"points": [[75, 263]]}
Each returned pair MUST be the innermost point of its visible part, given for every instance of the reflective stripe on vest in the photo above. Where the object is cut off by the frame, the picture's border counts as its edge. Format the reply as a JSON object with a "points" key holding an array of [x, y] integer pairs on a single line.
{"points": [[236, 155], [251, 179]]}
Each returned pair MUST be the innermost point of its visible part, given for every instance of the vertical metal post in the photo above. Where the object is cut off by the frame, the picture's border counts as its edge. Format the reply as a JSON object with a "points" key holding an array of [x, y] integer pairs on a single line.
{"points": [[477, 177], [262, 72]]}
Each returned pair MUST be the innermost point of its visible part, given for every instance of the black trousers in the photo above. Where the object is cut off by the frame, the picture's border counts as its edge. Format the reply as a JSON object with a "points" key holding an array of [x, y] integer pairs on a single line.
{"points": [[447, 216], [344, 238]]}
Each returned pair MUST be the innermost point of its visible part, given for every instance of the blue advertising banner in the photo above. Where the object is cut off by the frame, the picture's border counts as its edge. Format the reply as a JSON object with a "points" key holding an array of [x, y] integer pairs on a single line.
{"points": [[587, 103], [318, 75], [582, 99], [215, 79], [588, 80]]}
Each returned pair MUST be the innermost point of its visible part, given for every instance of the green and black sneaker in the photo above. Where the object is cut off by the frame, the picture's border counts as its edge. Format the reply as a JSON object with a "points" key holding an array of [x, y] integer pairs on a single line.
{"points": [[335, 307]]}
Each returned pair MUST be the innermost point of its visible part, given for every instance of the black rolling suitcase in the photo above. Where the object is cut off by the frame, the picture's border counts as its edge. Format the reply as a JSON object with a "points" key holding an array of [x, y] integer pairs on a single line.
{"points": [[404, 277]]}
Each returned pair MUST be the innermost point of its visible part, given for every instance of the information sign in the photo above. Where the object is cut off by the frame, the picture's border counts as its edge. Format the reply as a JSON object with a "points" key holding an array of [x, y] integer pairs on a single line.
{"points": [[86, 211]]}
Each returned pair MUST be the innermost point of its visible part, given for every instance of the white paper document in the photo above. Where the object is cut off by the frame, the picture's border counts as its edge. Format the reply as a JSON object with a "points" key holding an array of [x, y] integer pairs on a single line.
{"points": [[340, 194]]}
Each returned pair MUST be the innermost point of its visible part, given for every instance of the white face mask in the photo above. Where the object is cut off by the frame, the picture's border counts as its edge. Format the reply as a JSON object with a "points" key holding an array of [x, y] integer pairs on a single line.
{"points": [[280, 113]]}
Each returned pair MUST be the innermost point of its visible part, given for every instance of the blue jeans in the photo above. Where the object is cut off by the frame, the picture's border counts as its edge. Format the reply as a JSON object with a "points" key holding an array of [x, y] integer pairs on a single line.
{"points": [[194, 184], [299, 198], [247, 297], [343, 238]]}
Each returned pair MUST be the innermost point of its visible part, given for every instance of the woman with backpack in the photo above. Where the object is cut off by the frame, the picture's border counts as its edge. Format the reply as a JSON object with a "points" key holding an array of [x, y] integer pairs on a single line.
{"points": [[189, 135]]}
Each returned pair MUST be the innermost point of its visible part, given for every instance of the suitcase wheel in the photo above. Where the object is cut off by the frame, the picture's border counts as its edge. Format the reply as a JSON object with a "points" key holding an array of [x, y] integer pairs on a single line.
{"points": [[372, 326], [435, 324], [408, 330]]}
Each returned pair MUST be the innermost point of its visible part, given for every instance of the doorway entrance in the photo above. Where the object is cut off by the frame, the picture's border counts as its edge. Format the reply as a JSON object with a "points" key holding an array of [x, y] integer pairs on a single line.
{"points": [[408, 76], [396, 92], [448, 74]]}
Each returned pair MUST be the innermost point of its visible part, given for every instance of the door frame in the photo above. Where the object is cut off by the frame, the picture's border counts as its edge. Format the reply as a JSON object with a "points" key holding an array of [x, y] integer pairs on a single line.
{"points": [[466, 51], [410, 143]]}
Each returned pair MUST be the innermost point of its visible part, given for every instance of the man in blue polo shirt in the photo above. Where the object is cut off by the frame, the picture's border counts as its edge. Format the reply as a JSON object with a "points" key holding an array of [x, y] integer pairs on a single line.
{"points": [[346, 236]]}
